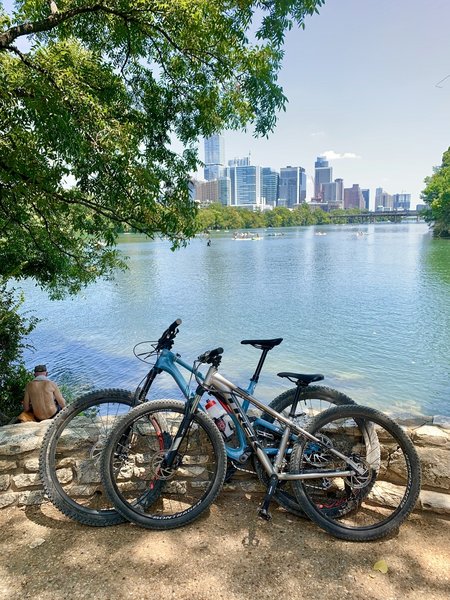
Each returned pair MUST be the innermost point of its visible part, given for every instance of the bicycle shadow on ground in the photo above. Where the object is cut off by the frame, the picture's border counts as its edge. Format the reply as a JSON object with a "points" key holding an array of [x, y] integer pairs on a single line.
{"points": [[229, 550]]}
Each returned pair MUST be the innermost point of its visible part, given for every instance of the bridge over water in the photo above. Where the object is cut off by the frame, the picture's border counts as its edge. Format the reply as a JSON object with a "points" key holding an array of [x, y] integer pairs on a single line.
{"points": [[372, 217]]}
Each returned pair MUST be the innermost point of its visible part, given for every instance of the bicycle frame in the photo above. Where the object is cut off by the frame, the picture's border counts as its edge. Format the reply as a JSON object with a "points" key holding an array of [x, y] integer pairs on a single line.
{"points": [[215, 380], [228, 392], [168, 362]]}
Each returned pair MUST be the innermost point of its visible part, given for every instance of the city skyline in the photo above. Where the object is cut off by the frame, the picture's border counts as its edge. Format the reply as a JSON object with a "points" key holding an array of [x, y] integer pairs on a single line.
{"points": [[325, 189], [362, 82]]}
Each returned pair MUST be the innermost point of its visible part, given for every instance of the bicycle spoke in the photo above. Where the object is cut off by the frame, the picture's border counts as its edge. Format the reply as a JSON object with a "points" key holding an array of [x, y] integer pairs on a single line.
{"points": [[384, 486], [139, 481]]}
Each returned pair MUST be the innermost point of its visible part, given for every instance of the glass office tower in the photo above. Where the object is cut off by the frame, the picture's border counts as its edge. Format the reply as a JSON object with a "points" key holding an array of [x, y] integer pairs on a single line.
{"points": [[292, 189], [214, 157]]}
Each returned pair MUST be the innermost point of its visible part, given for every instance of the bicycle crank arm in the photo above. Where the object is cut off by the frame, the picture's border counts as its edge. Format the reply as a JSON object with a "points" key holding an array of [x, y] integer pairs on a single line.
{"points": [[314, 475], [263, 512]]}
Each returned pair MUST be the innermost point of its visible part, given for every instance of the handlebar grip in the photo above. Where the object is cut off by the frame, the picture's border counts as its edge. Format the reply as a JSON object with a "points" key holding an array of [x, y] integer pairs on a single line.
{"points": [[171, 328], [215, 352], [169, 334], [208, 356]]}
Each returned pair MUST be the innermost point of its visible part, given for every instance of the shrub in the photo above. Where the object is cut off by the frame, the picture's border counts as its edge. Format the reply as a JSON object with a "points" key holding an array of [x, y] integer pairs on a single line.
{"points": [[14, 327]]}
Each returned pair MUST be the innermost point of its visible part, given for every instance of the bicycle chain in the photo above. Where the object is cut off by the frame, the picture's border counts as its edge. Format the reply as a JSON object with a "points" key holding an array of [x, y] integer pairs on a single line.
{"points": [[242, 469]]}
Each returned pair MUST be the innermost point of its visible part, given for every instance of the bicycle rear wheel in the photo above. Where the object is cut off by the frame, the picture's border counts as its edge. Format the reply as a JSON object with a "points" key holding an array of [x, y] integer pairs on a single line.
{"points": [[69, 459], [368, 504], [313, 400], [141, 487]]}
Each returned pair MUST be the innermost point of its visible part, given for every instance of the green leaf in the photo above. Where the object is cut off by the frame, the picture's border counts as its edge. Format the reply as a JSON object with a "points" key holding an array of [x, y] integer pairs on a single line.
{"points": [[381, 566]]}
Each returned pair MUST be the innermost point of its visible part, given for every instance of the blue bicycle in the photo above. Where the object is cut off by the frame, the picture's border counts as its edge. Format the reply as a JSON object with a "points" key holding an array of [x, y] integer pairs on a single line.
{"points": [[69, 457], [353, 470]]}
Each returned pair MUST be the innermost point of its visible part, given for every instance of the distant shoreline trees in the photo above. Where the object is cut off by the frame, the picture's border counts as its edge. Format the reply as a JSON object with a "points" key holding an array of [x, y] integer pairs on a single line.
{"points": [[217, 216]]}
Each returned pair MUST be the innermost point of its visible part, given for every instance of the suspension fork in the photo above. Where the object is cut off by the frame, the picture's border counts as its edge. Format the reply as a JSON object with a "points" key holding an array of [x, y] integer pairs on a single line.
{"points": [[190, 408], [141, 393]]}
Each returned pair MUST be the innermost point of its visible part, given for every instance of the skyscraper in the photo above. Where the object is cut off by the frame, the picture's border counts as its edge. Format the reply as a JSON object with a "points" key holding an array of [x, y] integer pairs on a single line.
{"points": [[292, 188], [270, 186], [246, 186], [366, 196], [402, 201], [383, 200], [206, 191], [353, 197], [323, 174], [214, 157], [333, 192], [224, 186], [239, 162]]}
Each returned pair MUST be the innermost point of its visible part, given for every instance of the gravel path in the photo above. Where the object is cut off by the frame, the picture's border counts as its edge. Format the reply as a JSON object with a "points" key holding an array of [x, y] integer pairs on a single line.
{"points": [[228, 553]]}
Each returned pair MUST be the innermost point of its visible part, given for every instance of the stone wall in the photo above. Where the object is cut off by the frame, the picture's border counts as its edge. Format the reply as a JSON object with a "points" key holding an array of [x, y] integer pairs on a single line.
{"points": [[20, 483]]}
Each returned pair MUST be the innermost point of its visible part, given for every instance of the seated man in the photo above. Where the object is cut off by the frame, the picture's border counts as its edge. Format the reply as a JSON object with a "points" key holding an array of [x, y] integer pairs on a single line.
{"points": [[42, 396]]}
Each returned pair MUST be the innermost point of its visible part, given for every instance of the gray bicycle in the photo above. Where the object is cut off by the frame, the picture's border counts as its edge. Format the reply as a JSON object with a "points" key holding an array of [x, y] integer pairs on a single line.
{"points": [[352, 469]]}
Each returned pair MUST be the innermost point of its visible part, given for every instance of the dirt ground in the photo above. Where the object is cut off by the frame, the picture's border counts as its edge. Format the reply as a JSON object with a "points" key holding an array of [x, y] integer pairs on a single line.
{"points": [[228, 553]]}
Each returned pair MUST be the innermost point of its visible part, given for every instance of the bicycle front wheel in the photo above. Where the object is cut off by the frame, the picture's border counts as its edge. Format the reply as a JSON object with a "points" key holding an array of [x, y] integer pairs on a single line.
{"points": [[139, 483], [69, 459], [384, 483]]}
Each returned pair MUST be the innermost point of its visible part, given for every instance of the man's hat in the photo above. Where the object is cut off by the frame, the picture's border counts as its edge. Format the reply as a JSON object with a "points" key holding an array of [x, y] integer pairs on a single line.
{"points": [[40, 369]]}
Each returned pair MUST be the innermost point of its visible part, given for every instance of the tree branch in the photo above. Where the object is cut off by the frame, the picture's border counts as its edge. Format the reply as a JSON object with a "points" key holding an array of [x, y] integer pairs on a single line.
{"points": [[50, 236], [56, 18], [104, 211], [52, 21]]}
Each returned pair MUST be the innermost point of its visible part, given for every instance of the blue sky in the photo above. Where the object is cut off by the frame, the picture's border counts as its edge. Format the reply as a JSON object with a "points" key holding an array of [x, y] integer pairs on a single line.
{"points": [[361, 81], [361, 84]]}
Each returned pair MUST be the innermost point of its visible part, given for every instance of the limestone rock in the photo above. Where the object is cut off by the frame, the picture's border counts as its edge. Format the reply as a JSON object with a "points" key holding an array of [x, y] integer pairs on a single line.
{"points": [[64, 476], [442, 421], [32, 464], [31, 498], [8, 499], [7, 465], [428, 435], [435, 502], [386, 494], [435, 467], [85, 491], [26, 480], [24, 437], [4, 482], [88, 471]]}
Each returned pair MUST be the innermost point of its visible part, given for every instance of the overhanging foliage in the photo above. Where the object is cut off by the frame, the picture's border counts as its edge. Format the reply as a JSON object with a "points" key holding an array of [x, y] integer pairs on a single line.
{"points": [[90, 110], [437, 196]]}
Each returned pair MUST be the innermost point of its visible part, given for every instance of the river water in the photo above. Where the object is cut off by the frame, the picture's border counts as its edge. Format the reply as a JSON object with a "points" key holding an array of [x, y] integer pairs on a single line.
{"points": [[367, 306]]}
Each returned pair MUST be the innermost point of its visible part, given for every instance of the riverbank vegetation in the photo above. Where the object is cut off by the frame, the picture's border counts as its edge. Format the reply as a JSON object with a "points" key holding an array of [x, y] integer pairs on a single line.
{"points": [[437, 196], [14, 328], [217, 216]]}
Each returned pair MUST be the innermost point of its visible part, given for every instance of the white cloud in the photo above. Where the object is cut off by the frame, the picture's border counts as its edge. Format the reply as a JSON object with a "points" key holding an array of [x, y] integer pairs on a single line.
{"points": [[332, 155], [318, 134]]}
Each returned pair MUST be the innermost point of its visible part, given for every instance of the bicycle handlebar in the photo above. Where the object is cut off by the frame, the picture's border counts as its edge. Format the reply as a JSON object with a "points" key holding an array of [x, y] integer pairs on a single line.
{"points": [[210, 356], [166, 340]]}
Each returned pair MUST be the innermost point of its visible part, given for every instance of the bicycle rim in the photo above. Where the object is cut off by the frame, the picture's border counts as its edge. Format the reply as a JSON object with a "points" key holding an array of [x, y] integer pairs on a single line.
{"points": [[69, 461], [143, 489], [368, 504]]}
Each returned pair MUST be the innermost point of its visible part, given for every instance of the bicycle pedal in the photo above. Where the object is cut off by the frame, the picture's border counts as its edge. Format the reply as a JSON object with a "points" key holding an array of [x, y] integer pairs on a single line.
{"points": [[264, 514]]}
